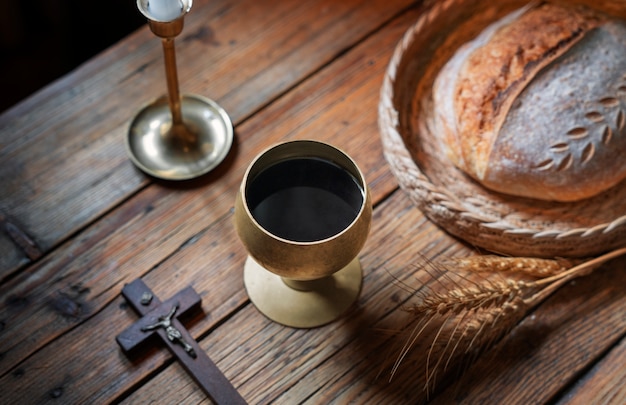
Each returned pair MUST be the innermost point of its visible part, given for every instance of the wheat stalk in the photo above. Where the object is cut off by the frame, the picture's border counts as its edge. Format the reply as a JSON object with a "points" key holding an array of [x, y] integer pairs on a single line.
{"points": [[483, 309], [478, 296], [534, 267]]}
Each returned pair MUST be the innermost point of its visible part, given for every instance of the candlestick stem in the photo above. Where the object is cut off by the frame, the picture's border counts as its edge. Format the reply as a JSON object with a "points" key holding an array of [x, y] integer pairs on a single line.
{"points": [[177, 136], [171, 75]]}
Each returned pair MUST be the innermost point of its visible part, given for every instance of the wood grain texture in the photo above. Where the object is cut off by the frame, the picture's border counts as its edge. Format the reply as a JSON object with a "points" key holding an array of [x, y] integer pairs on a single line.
{"points": [[142, 233], [273, 364], [59, 317], [149, 234], [604, 384], [242, 54], [552, 346]]}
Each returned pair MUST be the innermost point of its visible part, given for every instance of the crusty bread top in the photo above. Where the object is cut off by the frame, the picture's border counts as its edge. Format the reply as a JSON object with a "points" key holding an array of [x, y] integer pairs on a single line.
{"points": [[500, 66]]}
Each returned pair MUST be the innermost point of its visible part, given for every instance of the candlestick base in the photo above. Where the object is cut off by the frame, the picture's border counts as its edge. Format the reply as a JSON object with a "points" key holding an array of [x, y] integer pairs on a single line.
{"points": [[303, 304], [180, 152]]}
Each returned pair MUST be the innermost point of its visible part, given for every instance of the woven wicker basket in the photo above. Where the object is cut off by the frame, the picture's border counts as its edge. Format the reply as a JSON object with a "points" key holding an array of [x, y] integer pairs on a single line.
{"points": [[496, 222]]}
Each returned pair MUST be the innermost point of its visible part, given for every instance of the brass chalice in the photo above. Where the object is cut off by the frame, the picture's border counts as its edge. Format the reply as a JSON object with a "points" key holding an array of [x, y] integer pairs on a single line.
{"points": [[303, 212], [176, 137]]}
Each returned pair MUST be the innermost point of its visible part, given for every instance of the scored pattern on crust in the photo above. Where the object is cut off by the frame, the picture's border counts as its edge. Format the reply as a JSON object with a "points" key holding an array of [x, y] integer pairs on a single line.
{"points": [[605, 122], [517, 230]]}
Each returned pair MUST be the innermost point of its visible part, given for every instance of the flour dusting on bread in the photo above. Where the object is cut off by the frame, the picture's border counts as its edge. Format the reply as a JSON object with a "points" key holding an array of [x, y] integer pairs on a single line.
{"points": [[530, 106]]}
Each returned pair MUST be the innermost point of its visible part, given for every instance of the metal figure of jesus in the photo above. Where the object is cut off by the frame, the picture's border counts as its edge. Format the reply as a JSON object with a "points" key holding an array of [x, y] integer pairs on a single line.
{"points": [[173, 334]]}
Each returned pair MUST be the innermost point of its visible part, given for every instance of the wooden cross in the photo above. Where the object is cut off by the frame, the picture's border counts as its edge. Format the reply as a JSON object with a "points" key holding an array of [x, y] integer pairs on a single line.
{"points": [[161, 319]]}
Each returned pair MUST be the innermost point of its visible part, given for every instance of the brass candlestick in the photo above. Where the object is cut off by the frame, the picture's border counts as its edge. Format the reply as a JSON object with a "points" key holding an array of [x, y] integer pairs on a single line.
{"points": [[176, 137], [303, 212]]}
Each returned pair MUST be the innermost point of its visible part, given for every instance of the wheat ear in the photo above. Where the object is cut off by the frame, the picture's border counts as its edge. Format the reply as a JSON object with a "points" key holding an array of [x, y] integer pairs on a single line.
{"points": [[487, 293], [486, 309], [531, 266]]}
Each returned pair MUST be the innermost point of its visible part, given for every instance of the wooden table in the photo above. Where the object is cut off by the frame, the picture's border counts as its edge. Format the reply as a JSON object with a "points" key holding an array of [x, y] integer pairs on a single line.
{"points": [[79, 221]]}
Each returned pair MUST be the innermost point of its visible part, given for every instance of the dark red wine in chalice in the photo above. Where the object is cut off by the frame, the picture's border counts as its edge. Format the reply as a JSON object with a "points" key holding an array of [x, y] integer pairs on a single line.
{"points": [[304, 199]]}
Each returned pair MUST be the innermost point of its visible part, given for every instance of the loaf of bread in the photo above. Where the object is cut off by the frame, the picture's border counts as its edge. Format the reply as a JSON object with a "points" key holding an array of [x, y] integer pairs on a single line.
{"points": [[535, 106]]}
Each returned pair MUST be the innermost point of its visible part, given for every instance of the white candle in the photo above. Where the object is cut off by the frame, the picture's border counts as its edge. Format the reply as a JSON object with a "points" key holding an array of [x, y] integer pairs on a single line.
{"points": [[165, 10]]}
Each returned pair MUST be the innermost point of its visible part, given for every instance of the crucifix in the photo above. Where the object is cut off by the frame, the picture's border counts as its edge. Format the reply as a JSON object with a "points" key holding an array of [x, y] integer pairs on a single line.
{"points": [[161, 319]]}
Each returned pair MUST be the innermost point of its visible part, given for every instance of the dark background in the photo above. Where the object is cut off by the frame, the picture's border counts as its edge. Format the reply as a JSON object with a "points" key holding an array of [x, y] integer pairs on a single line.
{"points": [[41, 40]]}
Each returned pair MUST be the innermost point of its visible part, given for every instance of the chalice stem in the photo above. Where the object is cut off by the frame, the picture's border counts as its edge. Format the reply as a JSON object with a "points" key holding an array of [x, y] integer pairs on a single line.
{"points": [[172, 80]]}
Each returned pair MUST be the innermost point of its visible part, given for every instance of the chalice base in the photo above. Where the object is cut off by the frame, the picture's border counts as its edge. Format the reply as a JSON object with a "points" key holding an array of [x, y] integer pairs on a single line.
{"points": [[184, 152], [326, 299]]}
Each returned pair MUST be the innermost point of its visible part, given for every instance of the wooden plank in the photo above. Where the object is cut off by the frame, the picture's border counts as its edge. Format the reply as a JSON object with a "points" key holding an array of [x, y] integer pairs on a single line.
{"points": [[175, 235], [149, 234], [105, 247], [64, 162], [270, 363], [12, 230], [604, 383], [347, 361], [67, 359], [266, 359], [73, 293], [87, 365]]}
